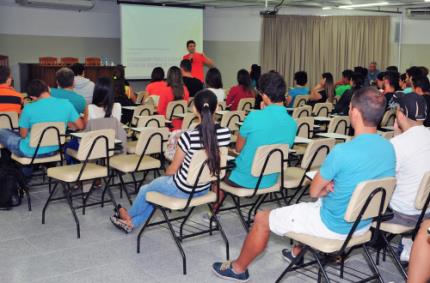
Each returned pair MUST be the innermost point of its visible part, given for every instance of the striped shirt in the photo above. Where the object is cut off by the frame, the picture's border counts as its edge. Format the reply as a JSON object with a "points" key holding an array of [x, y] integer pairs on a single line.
{"points": [[10, 99], [190, 142]]}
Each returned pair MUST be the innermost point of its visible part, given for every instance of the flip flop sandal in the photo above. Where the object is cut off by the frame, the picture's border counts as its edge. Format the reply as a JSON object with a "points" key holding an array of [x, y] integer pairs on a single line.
{"points": [[116, 210], [118, 223]]}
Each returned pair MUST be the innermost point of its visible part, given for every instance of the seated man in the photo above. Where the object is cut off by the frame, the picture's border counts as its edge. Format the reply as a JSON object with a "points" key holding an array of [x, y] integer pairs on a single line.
{"points": [[44, 108], [10, 99], [421, 86], [271, 125], [412, 147], [368, 156], [193, 85], [301, 79], [82, 86], [343, 85], [65, 81]]}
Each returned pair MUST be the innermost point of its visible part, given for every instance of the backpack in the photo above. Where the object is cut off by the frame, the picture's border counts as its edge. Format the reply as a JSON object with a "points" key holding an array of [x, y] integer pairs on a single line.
{"points": [[11, 186]]}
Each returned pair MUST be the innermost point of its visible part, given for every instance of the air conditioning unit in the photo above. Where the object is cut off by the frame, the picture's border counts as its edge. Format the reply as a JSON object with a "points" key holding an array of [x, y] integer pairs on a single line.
{"points": [[78, 5], [422, 13]]}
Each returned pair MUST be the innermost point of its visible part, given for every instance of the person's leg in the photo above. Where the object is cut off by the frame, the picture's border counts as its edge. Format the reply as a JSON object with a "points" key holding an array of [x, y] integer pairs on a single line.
{"points": [[419, 264], [10, 140]]}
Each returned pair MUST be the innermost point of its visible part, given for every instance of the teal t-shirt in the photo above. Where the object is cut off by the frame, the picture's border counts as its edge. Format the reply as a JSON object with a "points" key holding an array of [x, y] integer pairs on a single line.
{"points": [[408, 90], [272, 125], [77, 100], [293, 92], [366, 157], [44, 110]]}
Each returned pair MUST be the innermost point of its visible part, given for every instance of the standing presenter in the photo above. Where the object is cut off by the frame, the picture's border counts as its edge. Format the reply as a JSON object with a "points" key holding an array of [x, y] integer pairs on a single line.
{"points": [[198, 60]]}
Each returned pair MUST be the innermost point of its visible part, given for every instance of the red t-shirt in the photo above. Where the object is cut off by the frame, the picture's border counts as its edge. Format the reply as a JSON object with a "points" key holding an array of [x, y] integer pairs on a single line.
{"points": [[156, 88], [197, 65], [236, 94], [165, 97]]}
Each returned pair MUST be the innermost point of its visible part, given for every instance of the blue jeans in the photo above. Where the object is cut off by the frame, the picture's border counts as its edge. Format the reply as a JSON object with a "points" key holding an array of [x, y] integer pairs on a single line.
{"points": [[10, 140], [141, 209]]}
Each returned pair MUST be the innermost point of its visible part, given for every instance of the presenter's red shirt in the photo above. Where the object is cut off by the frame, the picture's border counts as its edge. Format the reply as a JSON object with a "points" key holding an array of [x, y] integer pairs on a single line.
{"points": [[165, 97], [198, 61]]}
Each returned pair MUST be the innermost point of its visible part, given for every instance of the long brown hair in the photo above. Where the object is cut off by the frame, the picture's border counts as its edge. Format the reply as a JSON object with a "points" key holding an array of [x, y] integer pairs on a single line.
{"points": [[174, 80]]}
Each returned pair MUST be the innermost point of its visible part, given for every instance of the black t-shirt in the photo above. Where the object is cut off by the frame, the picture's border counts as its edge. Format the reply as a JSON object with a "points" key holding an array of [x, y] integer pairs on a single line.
{"points": [[342, 106], [389, 99], [126, 114], [322, 100], [427, 120], [193, 85]]}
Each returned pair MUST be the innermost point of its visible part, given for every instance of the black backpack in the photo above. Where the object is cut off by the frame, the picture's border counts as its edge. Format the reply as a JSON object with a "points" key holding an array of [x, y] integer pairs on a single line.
{"points": [[11, 186]]}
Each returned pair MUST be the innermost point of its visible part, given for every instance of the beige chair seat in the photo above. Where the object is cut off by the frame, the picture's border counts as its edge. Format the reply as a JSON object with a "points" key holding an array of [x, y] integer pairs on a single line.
{"points": [[27, 160], [326, 245], [394, 228], [127, 163], [131, 147], [174, 203], [233, 138], [243, 192], [70, 173], [293, 176]]}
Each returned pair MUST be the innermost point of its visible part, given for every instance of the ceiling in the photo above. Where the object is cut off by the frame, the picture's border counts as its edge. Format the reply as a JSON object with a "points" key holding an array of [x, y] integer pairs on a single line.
{"points": [[292, 3]]}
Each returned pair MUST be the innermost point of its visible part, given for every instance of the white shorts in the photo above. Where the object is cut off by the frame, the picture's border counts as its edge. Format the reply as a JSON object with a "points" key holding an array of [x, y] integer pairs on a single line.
{"points": [[304, 218]]}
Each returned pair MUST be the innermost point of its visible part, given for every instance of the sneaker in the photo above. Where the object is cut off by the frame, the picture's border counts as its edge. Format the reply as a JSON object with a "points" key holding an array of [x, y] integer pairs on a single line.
{"points": [[289, 257], [225, 270], [406, 252], [207, 217]]}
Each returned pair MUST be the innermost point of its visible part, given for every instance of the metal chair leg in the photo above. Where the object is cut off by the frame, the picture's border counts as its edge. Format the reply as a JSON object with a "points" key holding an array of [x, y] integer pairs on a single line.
{"points": [[181, 228], [224, 237], [372, 263], [87, 195], [395, 257], [68, 195], [241, 217], [321, 266], [123, 187], [49, 199], [292, 263], [143, 228]]}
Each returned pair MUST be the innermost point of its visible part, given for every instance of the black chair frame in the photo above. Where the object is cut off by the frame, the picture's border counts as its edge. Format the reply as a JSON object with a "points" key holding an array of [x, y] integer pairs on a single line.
{"points": [[174, 108], [346, 126], [321, 109]]}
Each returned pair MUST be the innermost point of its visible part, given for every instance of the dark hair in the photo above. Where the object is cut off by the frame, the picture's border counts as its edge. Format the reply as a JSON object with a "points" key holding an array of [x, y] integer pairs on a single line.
{"points": [[392, 69], [380, 76], [363, 71], [347, 74], [273, 85], [393, 79], [205, 102], [255, 74], [424, 70], [358, 80], [371, 104], [174, 80], [213, 78], [65, 77], [186, 65], [243, 79], [414, 72], [119, 72], [36, 87], [329, 86], [103, 95], [78, 69], [421, 82], [191, 42], [301, 77], [4, 74], [119, 81], [157, 74], [403, 77]]}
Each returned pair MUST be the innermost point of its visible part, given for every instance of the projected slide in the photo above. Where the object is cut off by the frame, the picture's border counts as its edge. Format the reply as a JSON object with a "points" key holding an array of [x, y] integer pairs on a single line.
{"points": [[156, 36]]}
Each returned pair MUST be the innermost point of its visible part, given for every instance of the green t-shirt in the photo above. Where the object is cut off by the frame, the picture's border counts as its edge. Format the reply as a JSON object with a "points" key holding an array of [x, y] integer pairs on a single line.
{"points": [[340, 89], [272, 125], [77, 100]]}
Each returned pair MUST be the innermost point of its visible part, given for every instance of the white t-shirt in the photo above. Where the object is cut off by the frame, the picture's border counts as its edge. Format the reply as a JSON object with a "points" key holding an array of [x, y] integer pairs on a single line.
{"points": [[95, 112], [412, 162], [219, 92]]}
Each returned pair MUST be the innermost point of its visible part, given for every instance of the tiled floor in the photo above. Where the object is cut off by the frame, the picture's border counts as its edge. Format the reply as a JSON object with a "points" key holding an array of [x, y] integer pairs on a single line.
{"points": [[32, 252]]}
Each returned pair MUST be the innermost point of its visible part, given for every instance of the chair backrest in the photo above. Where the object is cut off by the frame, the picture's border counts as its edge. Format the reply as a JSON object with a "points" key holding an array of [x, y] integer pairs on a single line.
{"points": [[387, 135], [190, 104], [96, 144], [140, 96], [271, 164], [322, 109], [302, 111], [93, 61], [188, 120], [300, 100], [69, 60], [339, 125], [388, 119], [142, 110], [362, 192], [8, 120], [47, 134], [157, 121], [230, 118], [246, 104], [222, 105], [176, 107], [152, 140], [109, 123], [200, 157], [305, 126], [316, 152], [48, 60], [152, 99], [423, 192]]}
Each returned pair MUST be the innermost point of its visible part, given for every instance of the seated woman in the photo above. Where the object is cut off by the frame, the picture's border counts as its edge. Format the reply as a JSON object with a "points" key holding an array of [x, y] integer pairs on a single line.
{"points": [[122, 96], [157, 84], [243, 89], [323, 91], [214, 83], [208, 136], [175, 90], [119, 75]]}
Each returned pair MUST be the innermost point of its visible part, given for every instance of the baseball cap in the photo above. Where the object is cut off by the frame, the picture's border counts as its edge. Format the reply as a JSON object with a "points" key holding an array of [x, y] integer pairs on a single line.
{"points": [[414, 106]]}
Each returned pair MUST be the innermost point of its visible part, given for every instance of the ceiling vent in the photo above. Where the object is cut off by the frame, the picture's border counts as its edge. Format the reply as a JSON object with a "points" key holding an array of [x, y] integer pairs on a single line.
{"points": [[422, 13]]}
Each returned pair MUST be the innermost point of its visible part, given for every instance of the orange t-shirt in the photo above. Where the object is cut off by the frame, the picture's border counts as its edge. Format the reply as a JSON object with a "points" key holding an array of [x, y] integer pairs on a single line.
{"points": [[198, 61], [165, 97], [156, 88], [10, 99]]}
